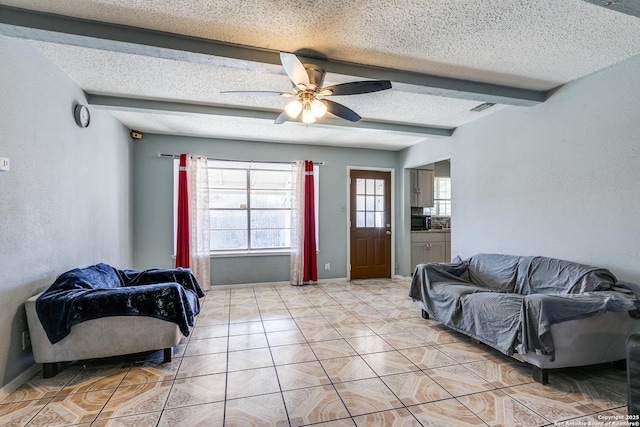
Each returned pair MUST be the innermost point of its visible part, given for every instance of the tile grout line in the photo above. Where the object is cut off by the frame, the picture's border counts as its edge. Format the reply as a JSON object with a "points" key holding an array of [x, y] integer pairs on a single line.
{"points": [[284, 404], [226, 371]]}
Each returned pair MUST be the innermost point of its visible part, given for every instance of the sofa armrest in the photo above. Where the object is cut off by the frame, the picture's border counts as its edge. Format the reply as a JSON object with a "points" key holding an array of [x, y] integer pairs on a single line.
{"points": [[635, 288], [184, 277], [443, 271]]}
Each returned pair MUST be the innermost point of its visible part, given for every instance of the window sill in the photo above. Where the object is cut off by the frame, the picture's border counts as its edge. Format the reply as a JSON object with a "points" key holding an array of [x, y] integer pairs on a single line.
{"points": [[232, 254]]}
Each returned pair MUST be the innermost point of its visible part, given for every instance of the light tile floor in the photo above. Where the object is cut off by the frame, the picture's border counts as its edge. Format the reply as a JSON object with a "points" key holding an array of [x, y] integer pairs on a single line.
{"points": [[334, 354]]}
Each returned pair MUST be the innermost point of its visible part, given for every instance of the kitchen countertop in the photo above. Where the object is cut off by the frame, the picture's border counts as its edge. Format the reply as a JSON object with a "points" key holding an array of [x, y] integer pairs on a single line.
{"points": [[433, 230]]}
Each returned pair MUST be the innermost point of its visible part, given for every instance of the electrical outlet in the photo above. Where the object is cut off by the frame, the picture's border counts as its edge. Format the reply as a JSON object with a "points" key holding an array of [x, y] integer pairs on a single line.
{"points": [[4, 164], [26, 340], [327, 266]]}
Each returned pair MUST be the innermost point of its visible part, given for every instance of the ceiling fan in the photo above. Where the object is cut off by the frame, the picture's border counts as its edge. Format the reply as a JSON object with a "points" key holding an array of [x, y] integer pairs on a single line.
{"points": [[307, 82]]}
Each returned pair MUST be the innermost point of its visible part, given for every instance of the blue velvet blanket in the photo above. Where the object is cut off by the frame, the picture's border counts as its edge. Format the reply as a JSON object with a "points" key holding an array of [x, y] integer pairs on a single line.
{"points": [[101, 290]]}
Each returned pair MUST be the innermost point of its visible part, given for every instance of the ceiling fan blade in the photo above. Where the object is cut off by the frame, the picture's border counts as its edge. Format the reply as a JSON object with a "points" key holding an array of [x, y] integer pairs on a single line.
{"points": [[294, 68], [354, 88], [255, 93], [340, 110], [283, 117]]}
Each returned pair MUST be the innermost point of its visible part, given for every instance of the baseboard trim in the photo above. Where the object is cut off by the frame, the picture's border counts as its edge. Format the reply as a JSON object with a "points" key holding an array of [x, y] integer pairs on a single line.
{"points": [[337, 279], [14, 384], [281, 283]]}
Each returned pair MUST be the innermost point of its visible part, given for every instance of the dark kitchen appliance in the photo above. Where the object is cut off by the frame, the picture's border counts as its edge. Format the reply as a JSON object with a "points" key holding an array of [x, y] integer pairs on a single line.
{"points": [[419, 221]]}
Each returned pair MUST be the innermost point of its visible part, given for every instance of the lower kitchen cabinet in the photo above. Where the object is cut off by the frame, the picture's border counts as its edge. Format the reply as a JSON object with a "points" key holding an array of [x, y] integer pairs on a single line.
{"points": [[429, 247], [447, 247]]}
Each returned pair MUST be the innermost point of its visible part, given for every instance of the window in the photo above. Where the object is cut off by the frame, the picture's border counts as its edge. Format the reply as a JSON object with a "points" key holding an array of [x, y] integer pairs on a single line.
{"points": [[369, 203], [441, 197], [250, 206]]}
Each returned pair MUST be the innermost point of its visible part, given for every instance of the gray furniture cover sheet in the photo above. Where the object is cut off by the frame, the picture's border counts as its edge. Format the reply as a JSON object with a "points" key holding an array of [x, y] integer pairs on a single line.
{"points": [[510, 302]]}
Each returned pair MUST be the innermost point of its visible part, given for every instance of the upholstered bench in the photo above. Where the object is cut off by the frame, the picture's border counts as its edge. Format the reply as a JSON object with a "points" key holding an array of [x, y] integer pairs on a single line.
{"points": [[99, 311]]}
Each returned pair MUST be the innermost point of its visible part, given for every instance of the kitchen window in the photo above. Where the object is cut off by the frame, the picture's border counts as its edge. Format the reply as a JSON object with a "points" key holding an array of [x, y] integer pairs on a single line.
{"points": [[441, 197]]}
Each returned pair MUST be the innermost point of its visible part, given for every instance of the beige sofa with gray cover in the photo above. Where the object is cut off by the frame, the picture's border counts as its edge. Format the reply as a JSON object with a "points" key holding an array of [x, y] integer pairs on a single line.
{"points": [[548, 312]]}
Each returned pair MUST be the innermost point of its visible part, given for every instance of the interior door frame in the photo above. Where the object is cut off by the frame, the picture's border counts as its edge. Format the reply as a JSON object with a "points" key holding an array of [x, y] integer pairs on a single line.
{"points": [[393, 215]]}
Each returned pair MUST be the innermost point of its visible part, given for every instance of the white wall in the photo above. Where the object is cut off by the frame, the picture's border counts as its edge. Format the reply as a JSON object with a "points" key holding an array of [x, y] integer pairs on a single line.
{"points": [[66, 202], [561, 179]]}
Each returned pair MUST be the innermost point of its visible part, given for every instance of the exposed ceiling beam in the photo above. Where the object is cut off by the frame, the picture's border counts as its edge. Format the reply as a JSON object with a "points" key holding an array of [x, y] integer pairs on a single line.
{"points": [[628, 7], [115, 103], [28, 24]]}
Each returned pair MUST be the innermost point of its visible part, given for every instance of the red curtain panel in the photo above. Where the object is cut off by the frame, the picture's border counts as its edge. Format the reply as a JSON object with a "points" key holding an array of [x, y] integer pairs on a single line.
{"points": [[182, 249], [310, 259]]}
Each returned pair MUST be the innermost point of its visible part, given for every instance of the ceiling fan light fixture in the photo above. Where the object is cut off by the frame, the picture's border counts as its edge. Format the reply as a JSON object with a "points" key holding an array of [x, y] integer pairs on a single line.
{"points": [[307, 80], [307, 115], [293, 108], [318, 108]]}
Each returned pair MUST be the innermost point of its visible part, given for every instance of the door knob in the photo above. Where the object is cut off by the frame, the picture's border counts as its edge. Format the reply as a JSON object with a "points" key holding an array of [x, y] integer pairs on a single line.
{"points": [[388, 232]]}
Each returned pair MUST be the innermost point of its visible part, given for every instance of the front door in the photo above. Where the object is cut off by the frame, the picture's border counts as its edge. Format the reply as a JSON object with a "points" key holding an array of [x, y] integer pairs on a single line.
{"points": [[370, 224]]}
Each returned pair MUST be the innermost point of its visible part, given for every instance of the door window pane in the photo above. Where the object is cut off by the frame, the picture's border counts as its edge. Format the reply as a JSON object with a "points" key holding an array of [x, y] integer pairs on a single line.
{"points": [[370, 203], [379, 207], [369, 220], [370, 186], [379, 217], [379, 187], [369, 206]]}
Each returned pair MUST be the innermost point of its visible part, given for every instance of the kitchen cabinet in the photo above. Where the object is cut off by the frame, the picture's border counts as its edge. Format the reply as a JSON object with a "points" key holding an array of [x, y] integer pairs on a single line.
{"points": [[447, 247], [430, 246], [422, 188]]}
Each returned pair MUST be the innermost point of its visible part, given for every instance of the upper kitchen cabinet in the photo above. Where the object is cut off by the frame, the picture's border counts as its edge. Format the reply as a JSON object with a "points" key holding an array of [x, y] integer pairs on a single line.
{"points": [[422, 188]]}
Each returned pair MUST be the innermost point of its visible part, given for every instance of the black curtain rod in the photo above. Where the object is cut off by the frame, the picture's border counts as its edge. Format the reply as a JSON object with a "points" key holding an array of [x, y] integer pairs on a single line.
{"points": [[177, 156]]}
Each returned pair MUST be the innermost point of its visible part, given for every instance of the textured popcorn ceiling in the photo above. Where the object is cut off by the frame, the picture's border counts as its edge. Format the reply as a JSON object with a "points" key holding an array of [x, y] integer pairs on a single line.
{"points": [[529, 44]]}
